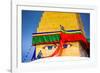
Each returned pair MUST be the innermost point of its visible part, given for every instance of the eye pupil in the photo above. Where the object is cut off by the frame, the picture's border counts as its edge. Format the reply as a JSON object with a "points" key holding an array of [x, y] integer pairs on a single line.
{"points": [[65, 46], [49, 47]]}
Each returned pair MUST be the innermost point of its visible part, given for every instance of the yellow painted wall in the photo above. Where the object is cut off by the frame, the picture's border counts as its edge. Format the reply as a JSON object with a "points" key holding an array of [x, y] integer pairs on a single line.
{"points": [[73, 50], [51, 21], [45, 50]]}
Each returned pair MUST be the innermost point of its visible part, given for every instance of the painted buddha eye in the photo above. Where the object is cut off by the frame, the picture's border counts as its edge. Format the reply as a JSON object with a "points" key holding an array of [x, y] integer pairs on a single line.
{"points": [[66, 45], [50, 47]]}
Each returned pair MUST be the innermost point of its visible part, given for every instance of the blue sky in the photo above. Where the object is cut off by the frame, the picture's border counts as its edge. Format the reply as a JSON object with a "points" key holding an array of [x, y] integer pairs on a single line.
{"points": [[30, 21], [85, 17]]}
